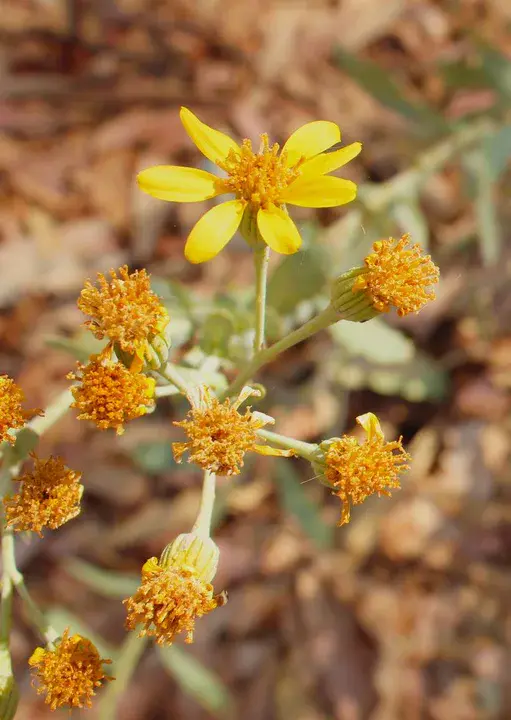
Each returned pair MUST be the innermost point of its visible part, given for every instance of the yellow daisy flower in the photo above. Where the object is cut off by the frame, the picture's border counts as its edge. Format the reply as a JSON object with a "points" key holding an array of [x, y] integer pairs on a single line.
{"points": [[263, 183]]}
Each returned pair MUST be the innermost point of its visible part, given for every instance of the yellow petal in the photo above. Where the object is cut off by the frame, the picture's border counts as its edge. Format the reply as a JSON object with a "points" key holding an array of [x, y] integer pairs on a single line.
{"points": [[371, 425], [329, 161], [310, 140], [273, 452], [320, 191], [179, 184], [213, 231], [278, 230], [215, 145]]}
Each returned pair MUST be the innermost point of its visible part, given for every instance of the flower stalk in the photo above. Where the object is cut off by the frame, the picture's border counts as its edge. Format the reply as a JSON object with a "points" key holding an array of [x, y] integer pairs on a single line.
{"points": [[202, 525], [261, 261]]}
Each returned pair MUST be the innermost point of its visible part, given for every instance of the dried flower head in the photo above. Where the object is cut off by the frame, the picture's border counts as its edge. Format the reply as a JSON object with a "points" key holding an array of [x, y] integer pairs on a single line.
{"points": [[219, 435], [12, 415], [49, 497], [125, 310], [354, 471], [70, 673], [175, 590], [263, 182], [398, 276], [110, 395]]}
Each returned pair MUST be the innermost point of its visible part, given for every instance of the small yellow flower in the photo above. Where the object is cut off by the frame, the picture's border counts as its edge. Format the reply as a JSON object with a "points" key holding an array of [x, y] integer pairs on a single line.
{"points": [[12, 415], [354, 471], [398, 276], [219, 435], [126, 311], [70, 673], [109, 395], [175, 590], [263, 183], [49, 497]]}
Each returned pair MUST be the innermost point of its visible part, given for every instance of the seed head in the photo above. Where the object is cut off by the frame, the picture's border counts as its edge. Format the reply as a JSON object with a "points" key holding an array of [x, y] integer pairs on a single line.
{"points": [[175, 590], [70, 673], [49, 497], [125, 310], [12, 415], [398, 276], [110, 395], [354, 471]]}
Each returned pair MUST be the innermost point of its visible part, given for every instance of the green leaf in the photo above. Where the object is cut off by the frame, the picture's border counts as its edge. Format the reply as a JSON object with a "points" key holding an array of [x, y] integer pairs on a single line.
{"points": [[299, 277], [379, 357], [197, 680], [104, 582], [153, 458], [81, 346], [298, 502], [490, 234], [497, 151], [60, 619], [216, 332], [380, 85], [496, 67], [410, 218]]}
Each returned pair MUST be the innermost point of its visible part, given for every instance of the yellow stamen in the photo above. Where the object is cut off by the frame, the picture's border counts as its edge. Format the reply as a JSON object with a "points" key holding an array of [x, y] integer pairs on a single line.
{"points": [[259, 178]]}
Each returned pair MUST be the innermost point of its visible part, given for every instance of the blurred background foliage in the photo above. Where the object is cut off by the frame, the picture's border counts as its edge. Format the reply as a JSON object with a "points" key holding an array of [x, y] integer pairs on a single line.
{"points": [[404, 614]]}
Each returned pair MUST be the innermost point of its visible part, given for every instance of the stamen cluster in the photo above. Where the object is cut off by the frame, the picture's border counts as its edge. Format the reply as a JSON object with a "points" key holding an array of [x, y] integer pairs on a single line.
{"points": [[259, 178], [169, 600], [12, 415], [398, 276], [109, 395], [124, 309], [49, 497], [219, 435], [70, 673]]}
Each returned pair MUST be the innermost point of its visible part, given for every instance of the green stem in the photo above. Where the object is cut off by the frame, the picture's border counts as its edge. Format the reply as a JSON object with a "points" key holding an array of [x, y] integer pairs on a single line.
{"points": [[261, 260], [6, 597], [170, 373], [52, 413], [125, 665], [303, 449], [202, 525], [10, 569], [328, 317]]}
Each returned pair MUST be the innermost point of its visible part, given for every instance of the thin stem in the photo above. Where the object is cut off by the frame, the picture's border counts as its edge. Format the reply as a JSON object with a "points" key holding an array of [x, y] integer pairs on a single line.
{"points": [[328, 317], [125, 665], [170, 373], [261, 260], [202, 525], [6, 597], [10, 570], [303, 449]]}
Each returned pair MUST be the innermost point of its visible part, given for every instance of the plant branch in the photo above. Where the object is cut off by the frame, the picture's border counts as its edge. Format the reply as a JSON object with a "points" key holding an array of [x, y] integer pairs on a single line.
{"points": [[261, 260], [202, 525]]}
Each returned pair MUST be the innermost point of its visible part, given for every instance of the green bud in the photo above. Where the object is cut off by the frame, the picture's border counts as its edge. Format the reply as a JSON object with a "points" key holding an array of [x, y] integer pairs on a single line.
{"points": [[194, 551], [355, 306]]}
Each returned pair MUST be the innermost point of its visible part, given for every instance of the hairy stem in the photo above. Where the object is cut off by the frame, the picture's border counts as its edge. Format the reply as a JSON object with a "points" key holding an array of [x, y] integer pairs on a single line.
{"points": [[303, 449], [261, 260], [126, 663], [328, 317], [170, 373], [202, 525]]}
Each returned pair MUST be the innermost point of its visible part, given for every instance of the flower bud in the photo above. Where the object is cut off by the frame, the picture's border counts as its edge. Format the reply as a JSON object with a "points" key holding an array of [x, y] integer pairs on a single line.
{"points": [[193, 551]]}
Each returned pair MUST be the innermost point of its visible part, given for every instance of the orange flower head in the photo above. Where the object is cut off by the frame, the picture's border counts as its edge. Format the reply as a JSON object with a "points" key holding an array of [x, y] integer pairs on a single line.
{"points": [[175, 590], [125, 310], [398, 276], [12, 415], [219, 435], [70, 673], [49, 497], [354, 471], [109, 395]]}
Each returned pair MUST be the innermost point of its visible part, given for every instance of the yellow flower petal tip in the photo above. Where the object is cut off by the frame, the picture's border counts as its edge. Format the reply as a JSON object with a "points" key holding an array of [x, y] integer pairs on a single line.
{"points": [[260, 180]]}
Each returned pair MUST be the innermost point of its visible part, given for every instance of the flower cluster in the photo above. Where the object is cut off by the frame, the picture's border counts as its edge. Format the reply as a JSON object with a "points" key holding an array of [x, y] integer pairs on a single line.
{"points": [[49, 497], [125, 310], [12, 415], [109, 395], [354, 471], [175, 590], [219, 435], [69, 673]]}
